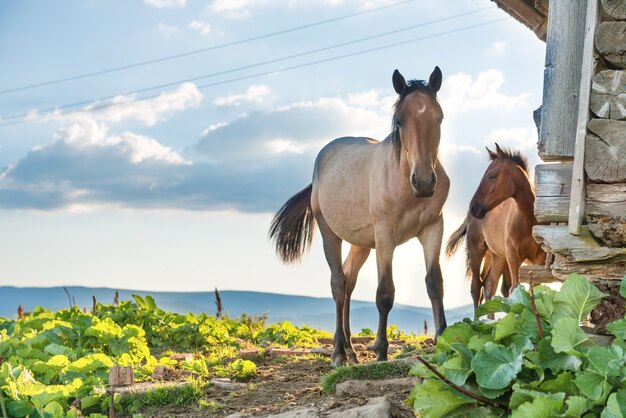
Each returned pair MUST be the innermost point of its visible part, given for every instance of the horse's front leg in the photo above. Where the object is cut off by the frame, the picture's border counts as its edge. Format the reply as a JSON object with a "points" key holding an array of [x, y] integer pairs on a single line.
{"points": [[355, 260], [332, 251], [430, 238], [385, 292]]}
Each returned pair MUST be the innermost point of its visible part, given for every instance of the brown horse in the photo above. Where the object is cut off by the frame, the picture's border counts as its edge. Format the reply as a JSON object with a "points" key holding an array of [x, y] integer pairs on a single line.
{"points": [[502, 212], [476, 255], [375, 195]]}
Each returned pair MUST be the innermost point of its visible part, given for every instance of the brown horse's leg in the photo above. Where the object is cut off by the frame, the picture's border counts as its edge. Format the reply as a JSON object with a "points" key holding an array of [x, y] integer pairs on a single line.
{"points": [[385, 293], [505, 288], [498, 266], [430, 238], [332, 251], [514, 261], [355, 260]]}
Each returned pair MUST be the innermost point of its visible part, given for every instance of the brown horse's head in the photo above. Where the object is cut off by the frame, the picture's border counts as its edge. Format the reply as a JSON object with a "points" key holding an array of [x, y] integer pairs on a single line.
{"points": [[499, 181], [417, 129]]}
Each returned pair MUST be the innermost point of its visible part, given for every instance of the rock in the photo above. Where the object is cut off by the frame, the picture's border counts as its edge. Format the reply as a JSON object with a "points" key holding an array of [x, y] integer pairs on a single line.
{"points": [[297, 413], [325, 341], [224, 383], [375, 408], [182, 357], [235, 415], [324, 351], [249, 353], [375, 387], [165, 373], [362, 340], [277, 352]]}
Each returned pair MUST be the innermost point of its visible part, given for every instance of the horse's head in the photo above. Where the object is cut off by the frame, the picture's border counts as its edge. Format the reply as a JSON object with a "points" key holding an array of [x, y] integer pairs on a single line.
{"points": [[417, 129], [499, 181]]}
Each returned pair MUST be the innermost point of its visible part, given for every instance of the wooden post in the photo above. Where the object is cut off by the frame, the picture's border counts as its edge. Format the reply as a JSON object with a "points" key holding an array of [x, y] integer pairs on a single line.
{"points": [[577, 196], [118, 376], [561, 83]]}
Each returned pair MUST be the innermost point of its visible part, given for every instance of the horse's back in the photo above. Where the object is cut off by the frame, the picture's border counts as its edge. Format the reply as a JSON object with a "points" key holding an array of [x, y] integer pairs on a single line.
{"points": [[341, 188]]}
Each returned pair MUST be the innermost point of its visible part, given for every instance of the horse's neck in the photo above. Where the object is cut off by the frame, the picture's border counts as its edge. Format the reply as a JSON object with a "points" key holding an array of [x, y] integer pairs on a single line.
{"points": [[525, 198]]}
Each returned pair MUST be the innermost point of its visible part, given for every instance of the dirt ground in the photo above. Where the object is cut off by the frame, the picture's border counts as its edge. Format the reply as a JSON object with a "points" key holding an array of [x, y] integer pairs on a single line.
{"points": [[281, 384]]}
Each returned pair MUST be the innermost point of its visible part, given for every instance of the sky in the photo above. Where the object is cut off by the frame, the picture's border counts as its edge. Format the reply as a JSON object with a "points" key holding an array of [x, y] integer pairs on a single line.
{"points": [[173, 188]]}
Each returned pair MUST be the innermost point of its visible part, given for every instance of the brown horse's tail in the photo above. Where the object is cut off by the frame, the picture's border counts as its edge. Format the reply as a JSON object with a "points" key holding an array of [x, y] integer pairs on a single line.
{"points": [[293, 226], [455, 241]]}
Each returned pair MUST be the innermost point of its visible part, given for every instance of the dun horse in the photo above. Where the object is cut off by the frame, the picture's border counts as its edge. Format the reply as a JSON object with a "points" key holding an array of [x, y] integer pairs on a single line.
{"points": [[502, 212], [375, 195]]}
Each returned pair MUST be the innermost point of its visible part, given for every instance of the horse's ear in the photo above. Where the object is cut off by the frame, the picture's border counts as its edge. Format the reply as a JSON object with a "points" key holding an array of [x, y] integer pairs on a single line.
{"points": [[492, 155], [434, 82], [499, 150], [399, 83]]}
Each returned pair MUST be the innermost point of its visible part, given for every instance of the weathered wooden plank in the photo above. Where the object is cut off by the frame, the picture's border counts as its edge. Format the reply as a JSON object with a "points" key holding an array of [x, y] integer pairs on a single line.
{"points": [[579, 248], [608, 94], [564, 54], [553, 179], [577, 198], [539, 274], [526, 14], [605, 151], [552, 209], [611, 42], [615, 8]]}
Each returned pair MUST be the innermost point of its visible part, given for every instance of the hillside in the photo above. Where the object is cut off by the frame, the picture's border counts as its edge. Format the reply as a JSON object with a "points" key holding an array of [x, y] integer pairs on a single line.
{"points": [[299, 310]]}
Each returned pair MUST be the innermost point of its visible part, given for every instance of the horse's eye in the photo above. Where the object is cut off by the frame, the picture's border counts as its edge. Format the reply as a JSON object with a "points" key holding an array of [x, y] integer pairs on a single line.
{"points": [[492, 177], [399, 123]]}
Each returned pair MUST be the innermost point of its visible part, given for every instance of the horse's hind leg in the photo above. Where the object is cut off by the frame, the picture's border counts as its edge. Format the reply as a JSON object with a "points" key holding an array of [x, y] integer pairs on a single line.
{"points": [[332, 251], [355, 260], [498, 265], [476, 253], [430, 238]]}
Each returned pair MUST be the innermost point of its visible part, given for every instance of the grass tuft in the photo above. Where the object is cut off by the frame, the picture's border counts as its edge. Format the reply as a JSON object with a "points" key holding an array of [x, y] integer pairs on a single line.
{"points": [[370, 371]]}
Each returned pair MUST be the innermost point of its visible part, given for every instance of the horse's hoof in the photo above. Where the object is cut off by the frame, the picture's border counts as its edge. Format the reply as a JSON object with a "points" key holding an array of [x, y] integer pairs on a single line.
{"points": [[381, 357], [338, 360]]}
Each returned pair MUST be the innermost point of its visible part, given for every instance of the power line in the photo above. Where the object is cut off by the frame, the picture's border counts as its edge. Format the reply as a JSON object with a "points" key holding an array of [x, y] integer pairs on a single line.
{"points": [[202, 50], [247, 77], [246, 67]]}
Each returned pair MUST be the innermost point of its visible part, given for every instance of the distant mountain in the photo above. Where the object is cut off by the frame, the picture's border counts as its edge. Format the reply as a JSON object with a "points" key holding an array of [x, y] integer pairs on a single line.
{"points": [[299, 310]]}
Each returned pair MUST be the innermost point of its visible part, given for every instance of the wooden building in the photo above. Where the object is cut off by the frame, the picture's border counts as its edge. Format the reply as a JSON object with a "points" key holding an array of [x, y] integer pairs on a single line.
{"points": [[581, 188]]}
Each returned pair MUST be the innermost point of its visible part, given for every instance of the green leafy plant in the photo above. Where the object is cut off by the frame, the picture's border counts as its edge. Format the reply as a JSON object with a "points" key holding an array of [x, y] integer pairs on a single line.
{"points": [[535, 361]]}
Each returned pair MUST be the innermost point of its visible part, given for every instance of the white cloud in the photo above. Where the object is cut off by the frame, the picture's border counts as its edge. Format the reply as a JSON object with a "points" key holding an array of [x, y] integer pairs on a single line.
{"points": [[461, 93], [518, 137], [166, 3], [241, 8], [497, 48], [167, 30], [254, 94], [203, 27]]}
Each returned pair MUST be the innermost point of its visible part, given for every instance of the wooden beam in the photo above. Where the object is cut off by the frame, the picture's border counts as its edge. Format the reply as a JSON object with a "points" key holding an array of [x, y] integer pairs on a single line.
{"points": [[527, 15], [611, 42], [564, 53], [608, 94], [582, 248], [605, 151], [540, 274], [553, 183], [615, 8], [577, 195]]}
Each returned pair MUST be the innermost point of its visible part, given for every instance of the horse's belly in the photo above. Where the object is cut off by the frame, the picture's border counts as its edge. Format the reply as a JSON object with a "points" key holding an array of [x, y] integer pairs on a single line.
{"points": [[349, 219]]}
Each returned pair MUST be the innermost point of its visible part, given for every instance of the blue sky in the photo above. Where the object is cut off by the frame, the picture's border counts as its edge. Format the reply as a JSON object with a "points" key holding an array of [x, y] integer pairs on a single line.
{"points": [[176, 191]]}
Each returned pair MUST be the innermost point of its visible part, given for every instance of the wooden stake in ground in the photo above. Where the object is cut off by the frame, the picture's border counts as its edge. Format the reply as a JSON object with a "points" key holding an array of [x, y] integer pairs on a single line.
{"points": [[20, 312], [118, 376], [218, 302]]}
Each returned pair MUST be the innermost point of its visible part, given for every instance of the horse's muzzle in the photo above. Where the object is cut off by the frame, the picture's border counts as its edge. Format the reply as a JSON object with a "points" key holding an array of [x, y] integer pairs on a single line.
{"points": [[478, 211], [423, 188]]}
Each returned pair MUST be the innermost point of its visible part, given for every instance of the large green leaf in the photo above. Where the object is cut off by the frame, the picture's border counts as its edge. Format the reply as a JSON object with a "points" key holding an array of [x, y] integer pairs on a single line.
{"points": [[493, 305], [622, 287], [19, 408], [567, 336], [457, 369], [434, 400], [456, 333], [615, 405], [506, 326], [556, 362], [496, 365], [544, 406], [607, 360], [618, 328], [576, 407], [576, 299], [590, 383]]}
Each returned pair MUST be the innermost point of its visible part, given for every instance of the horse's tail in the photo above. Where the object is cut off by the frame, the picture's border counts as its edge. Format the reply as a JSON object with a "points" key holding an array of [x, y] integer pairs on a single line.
{"points": [[455, 241], [293, 226]]}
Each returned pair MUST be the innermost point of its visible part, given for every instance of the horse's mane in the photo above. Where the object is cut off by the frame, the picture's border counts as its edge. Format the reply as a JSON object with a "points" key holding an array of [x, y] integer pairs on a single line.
{"points": [[516, 156], [412, 85]]}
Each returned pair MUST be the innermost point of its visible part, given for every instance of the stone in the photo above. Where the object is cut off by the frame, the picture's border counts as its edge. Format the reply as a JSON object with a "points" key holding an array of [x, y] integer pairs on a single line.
{"points": [[375, 387], [277, 352], [249, 353], [225, 383], [375, 408], [297, 413], [324, 351], [165, 373], [182, 357]]}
